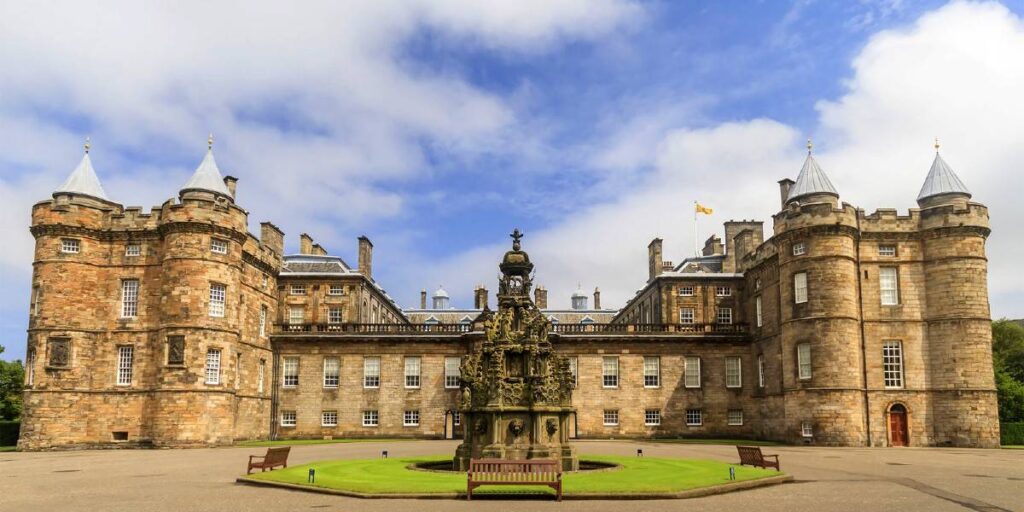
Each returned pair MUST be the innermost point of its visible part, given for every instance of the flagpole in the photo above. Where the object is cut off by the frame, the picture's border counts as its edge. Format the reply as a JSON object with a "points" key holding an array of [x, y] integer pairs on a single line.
{"points": [[696, 251]]}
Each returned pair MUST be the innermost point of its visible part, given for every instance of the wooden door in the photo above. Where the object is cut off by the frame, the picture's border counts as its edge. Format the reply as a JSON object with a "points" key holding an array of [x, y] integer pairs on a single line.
{"points": [[898, 435]]}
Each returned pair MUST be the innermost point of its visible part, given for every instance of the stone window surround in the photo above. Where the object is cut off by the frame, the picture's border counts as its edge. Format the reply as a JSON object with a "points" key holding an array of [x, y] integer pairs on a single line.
{"points": [[289, 419], [413, 369], [799, 248], [691, 363], [803, 361], [371, 418], [652, 372], [894, 289], [610, 372], [261, 375], [652, 417], [694, 417], [297, 289], [686, 290], [290, 372], [758, 311], [211, 370], [218, 300], [892, 364], [723, 291], [806, 429], [218, 245], [371, 372], [887, 250], [129, 298], [724, 316], [452, 372], [132, 250], [610, 417], [738, 361], [411, 418], [335, 289], [760, 370], [800, 288], [686, 316], [329, 418], [332, 372], [70, 245], [125, 365], [734, 417]]}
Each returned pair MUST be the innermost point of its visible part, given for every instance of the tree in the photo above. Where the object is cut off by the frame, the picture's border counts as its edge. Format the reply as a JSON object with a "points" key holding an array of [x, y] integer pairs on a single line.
{"points": [[1008, 361], [12, 378]]}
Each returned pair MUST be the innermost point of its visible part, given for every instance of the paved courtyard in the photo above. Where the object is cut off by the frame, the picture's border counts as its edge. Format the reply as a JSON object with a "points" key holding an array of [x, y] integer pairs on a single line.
{"points": [[832, 479]]}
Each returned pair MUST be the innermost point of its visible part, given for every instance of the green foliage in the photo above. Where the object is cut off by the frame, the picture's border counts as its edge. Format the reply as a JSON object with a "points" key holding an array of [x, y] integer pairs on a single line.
{"points": [[1012, 433], [1008, 348], [12, 378], [294, 442], [9, 432], [1010, 394]]}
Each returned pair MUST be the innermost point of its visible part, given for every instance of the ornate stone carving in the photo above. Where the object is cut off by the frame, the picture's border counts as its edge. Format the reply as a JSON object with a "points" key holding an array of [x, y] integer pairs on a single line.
{"points": [[551, 426], [59, 352], [176, 350]]}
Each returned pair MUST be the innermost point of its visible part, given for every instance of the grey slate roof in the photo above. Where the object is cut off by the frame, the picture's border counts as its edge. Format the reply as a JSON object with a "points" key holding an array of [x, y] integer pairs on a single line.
{"points": [[941, 180], [83, 181], [315, 264], [812, 180], [207, 177]]}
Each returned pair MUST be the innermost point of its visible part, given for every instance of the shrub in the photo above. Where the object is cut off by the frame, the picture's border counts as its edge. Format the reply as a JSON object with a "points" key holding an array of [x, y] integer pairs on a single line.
{"points": [[1012, 433], [9, 432]]}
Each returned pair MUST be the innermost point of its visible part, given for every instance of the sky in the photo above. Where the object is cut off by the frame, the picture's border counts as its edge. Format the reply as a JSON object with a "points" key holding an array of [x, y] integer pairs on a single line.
{"points": [[435, 127]]}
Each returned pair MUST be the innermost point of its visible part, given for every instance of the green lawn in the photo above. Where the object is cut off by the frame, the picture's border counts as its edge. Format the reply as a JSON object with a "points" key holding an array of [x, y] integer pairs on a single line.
{"points": [[8, 448], [1008, 447], [637, 475], [744, 442], [292, 442]]}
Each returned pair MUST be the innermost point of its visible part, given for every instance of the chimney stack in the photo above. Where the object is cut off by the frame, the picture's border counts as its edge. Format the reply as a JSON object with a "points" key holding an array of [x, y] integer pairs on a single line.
{"points": [[540, 297], [480, 297], [423, 299], [231, 182], [366, 257], [784, 186], [272, 237], [597, 298], [319, 250], [654, 258], [305, 244]]}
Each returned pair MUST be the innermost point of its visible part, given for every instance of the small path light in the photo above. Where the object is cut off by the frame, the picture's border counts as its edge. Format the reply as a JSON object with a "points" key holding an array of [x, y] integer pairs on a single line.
{"points": [[312, 476], [639, 452], [384, 454], [732, 473]]}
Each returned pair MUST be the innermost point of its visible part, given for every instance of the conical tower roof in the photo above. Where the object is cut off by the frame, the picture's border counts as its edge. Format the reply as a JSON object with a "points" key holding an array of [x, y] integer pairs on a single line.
{"points": [[207, 177], [941, 180], [83, 180], [812, 180]]}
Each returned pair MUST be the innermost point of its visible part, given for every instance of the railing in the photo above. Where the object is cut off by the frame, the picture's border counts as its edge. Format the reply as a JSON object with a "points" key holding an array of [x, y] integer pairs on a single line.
{"points": [[572, 329], [373, 328], [650, 328]]}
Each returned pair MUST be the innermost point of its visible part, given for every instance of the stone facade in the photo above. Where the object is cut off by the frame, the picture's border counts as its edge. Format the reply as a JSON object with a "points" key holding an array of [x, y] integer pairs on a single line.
{"points": [[721, 345]]}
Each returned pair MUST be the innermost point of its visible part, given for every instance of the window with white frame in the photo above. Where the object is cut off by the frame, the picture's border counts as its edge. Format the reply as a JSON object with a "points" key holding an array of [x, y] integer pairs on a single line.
{"points": [[799, 249], [760, 370], [757, 311], [290, 372], [289, 418], [371, 419], [686, 291], [803, 360], [129, 298], [734, 417], [694, 417], [574, 365], [261, 373], [266, 281], [733, 372], [218, 295], [411, 419], [723, 291], [691, 372], [610, 372], [887, 250], [132, 250], [329, 419], [334, 315], [296, 314], [218, 246], [892, 364], [213, 366], [371, 372], [724, 316], [412, 372], [452, 372], [686, 315], [297, 289], [70, 245], [652, 371], [335, 289], [652, 417], [611, 417], [807, 429], [124, 365], [332, 372], [888, 283], [263, 320], [456, 418], [800, 287]]}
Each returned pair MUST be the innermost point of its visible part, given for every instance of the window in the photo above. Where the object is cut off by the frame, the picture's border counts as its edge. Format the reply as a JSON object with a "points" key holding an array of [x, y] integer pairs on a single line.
{"points": [[691, 372], [412, 372], [411, 419], [297, 289], [371, 372], [218, 246], [70, 245], [335, 289], [218, 293], [694, 418], [799, 249], [290, 372], [652, 371], [213, 366], [370, 419], [266, 280], [334, 315], [803, 360], [452, 372], [652, 417], [735, 417], [733, 373], [132, 250], [887, 250], [574, 365], [30, 370], [724, 316], [760, 370], [332, 372], [296, 315], [36, 291], [610, 372], [800, 287], [757, 283], [611, 417], [723, 291], [686, 315], [261, 372], [129, 298], [757, 310], [288, 418], [329, 419], [686, 291], [888, 282], [124, 365], [456, 418], [263, 320], [892, 364], [807, 429]]}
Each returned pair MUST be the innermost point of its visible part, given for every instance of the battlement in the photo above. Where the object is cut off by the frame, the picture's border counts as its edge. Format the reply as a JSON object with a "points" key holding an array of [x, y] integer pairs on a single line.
{"points": [[798, 216]]}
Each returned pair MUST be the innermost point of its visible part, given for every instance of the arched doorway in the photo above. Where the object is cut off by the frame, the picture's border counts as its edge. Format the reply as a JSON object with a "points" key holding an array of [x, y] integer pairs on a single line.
{"points": [[899, 431], [449, 424]]}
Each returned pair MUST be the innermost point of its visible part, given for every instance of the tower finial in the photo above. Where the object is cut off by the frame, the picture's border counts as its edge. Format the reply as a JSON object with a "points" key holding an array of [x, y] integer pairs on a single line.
{"points": [[88, 145], [209, 142], [936, 144], [810, 145]]}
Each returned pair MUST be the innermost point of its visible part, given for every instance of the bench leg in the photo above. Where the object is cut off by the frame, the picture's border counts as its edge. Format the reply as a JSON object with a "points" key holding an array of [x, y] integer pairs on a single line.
{"points": [[469, 492]]}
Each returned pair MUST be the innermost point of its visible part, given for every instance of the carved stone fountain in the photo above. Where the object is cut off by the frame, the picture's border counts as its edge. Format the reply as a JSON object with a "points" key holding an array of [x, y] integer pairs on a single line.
{"points": [[516, 391]]}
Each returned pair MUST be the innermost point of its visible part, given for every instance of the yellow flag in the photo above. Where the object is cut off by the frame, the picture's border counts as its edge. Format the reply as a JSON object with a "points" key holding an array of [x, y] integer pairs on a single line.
{"points": [[703, 209]]}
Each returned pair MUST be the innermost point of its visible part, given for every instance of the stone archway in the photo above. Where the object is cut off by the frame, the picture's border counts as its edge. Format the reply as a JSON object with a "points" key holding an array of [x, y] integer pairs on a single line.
{"points": [[898, 424]]}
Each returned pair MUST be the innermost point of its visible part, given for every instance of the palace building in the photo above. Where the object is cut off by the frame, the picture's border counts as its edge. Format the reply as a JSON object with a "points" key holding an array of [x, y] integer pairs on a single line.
{"points": [[178, 327]]}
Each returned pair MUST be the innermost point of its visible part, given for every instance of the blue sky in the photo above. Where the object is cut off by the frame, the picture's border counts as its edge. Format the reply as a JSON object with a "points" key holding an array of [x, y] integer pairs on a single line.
{"points": [[436, 127]]}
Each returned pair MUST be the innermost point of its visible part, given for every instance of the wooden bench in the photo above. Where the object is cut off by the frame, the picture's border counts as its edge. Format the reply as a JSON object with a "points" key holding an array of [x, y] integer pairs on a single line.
{"points": [[752, 455], [514, 472], [274, 457]]}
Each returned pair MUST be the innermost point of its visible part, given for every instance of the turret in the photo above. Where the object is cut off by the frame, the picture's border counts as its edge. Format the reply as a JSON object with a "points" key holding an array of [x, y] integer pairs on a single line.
{"points": [[812, 185], [942, 185], [206, 182]]}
